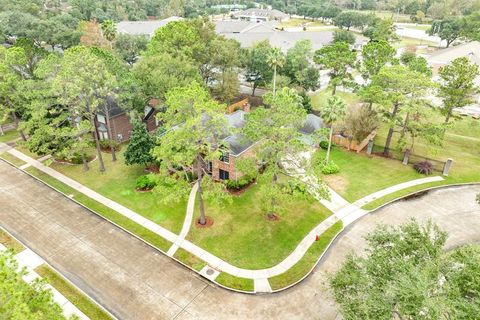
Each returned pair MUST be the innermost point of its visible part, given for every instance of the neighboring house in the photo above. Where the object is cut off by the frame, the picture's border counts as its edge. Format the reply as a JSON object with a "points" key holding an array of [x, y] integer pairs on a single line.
{"points": [[143, 28], [250, 33], [120, 125], [254, 14], [240, 148], [442, 57]]}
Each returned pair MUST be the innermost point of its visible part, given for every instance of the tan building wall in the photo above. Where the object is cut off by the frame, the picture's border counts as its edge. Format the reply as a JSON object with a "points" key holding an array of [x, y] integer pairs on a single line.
{"points": [[230, 166]]}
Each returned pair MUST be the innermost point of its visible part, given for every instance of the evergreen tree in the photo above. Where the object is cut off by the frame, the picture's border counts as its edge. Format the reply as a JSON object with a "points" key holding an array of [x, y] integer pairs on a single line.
{"points": [[140, 146]]}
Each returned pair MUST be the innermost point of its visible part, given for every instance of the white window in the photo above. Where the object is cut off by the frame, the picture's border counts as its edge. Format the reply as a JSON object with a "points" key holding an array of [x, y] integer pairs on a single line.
{"points": [[101, 119], [147, 110]]}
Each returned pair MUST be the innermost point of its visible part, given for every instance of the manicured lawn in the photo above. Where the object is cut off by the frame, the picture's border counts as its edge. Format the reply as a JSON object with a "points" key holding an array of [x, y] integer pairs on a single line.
{"points": [[361, 175], [301, 268], [9, 136], [423, 27], [298, 22], [82, 302], [104, 211], [243, 236], [118, 184], [189, 259], [235, 282], [320, 98], [10, 243], [12, 159], [405, 42]]}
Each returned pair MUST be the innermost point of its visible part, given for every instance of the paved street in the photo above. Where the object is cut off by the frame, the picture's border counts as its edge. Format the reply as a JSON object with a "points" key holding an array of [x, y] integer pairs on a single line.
{"points": [[134, 281]]}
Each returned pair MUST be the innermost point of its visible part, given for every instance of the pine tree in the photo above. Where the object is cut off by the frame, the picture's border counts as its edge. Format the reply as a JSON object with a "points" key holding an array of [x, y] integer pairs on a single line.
{"points": [[140, 145]]}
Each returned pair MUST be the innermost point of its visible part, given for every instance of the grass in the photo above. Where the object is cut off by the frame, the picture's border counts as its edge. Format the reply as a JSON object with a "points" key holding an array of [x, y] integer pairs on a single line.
{"points": [[235, 282], [243, 236], [104, 211], [303, 267], [9, 136], [189, 259], [12, 159], [82, 302], [406, 41], [320, 99], [118, 184], [423, 27], [361, 175], [299, 22], [10, 243]]}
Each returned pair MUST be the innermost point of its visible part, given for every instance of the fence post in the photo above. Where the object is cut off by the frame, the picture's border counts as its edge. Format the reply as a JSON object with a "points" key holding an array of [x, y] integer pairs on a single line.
{"points": [[370, 146], [406, 156], [447, 166]]}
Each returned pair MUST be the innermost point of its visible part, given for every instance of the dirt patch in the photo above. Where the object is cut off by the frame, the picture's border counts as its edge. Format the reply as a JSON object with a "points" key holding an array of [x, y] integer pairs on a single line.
{"points": [[272, 217], [152, 169], [336, 182], [109, 150], [208, 223], [143, 190], [69, 162]]}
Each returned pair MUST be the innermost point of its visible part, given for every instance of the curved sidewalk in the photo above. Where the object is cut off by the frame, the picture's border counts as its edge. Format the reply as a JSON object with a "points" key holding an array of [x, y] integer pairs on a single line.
{"points": [[347, 214]]}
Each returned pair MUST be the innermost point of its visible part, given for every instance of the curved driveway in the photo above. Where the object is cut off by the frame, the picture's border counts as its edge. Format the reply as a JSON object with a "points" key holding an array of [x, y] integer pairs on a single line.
{"points": [[134, 281]]}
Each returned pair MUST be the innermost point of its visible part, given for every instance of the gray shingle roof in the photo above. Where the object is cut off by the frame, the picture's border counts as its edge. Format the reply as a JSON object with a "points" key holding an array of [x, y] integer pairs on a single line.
{"points": [[254, 12], [241, 26], [146, 28], [471, 50], [312, 124]]}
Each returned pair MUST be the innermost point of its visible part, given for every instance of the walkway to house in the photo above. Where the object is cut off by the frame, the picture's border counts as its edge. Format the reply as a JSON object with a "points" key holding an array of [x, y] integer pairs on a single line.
{"points": [[342, 210], [30, 260]]}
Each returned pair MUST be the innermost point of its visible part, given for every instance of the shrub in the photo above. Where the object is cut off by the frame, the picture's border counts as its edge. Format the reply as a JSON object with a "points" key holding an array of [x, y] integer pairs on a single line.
{"points": [[107, 144], [76, 158], [238, 184], [423, 167], [145, 182], [330, 168], [324, 144]]}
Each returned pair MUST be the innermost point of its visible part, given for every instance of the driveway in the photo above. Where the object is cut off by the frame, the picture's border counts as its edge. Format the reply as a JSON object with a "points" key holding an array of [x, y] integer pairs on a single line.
{"points": [[134, 281]]}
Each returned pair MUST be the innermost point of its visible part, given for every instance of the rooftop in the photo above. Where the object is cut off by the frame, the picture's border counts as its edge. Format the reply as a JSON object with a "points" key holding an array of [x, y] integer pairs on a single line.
{"points": [[254, 12], [146, 28], [469, 49]]}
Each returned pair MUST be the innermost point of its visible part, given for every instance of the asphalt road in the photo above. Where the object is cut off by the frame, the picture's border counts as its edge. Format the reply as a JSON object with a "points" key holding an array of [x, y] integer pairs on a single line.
{"points": [[134, 281]]}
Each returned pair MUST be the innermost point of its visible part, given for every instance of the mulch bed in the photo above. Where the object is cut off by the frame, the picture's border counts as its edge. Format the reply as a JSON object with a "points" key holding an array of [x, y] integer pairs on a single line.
{"points": [[272, 217], [69, 162], [143, 190], [152, 169], [237, 192], [109, 150], [208, 223]]}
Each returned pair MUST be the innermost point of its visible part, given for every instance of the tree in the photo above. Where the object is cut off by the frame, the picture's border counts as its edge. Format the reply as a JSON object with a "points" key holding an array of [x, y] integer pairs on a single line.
{"points": [[457, 85], [381, 30], [401, 89], [20, 300], [226, 59], [140, 146], [129, 47], [342, 35], [258, 72], [375, 55], [157, 74], [415, 63], [448, 29], [334, 110], [297, 66], [276, 130], [276, 59], [406, 274], [109, 31], [348, 19], [337, 57], [194, 124]]}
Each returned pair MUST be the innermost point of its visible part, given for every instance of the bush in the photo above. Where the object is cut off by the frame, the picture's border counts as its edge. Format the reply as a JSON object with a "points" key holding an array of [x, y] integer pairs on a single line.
{"points": [[107, 144], [423, 167], [146, 182], [76, 158], [324, 144], [330, 168], [238, 184]]}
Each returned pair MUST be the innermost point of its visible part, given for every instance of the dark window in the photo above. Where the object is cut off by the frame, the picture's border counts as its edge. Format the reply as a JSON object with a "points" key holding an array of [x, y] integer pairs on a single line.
{"points": [[210, 167], [225, 157], [224, 175]]}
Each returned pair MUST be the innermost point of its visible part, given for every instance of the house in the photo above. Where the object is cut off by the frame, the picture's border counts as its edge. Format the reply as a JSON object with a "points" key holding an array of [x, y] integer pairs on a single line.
{"points": [[255, 14], [442, 57], [120, 125], [249, 33], [143, 28], [240, 148]]}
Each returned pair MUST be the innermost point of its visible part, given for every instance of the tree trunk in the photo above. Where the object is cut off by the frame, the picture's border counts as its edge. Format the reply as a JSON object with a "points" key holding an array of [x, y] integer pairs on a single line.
{"points": [[386, 149], [327, 157], [97, 144], [85, 163], [254, 86], [202, 220], [274, 78], [334, 90], [110, 136], [15, 119], [447, 118]]}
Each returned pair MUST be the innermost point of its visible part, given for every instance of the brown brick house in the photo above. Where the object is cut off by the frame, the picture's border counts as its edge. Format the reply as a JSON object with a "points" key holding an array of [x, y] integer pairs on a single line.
{"points": [[120, 125]]}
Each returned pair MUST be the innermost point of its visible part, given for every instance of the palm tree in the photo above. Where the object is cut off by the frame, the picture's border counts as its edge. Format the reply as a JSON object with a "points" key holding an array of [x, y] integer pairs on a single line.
{"points": [[276, 59], [334, 110], [109, 30]]}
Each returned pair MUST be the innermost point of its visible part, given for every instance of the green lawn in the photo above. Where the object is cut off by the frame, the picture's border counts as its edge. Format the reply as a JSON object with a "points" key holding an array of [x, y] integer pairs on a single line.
{"points": [[301, 268], [298, 22], [243, 236], [104, 211], [118, 184], [10, 243], [235, 282], [423, 27], [9, 136], [319, 99], [12, 159], [405, 42], [361, 175], [189, 259], [77, 298]]}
